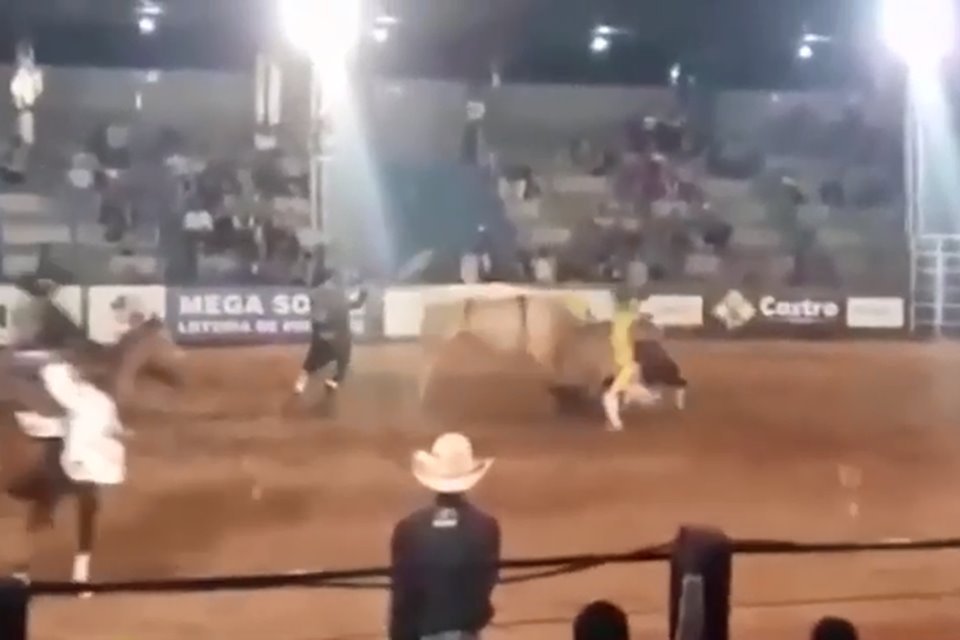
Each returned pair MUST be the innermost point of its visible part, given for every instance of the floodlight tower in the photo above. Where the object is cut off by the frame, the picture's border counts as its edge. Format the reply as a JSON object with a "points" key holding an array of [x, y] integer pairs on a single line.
{"points": [[326, 32], [922, 33]]}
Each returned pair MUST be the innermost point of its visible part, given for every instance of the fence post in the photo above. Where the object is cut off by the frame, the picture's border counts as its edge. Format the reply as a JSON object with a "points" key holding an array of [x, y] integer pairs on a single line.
{"points": [[700, 567], [14, 601]]}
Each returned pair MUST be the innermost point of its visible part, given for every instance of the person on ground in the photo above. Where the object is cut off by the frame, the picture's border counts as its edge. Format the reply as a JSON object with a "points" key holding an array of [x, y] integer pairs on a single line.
{"points": [[444, 557]]}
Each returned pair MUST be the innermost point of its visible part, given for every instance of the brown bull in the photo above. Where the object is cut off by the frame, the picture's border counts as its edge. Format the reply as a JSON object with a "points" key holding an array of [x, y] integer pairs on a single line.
{"points": [[30, 469], [573, 354]]}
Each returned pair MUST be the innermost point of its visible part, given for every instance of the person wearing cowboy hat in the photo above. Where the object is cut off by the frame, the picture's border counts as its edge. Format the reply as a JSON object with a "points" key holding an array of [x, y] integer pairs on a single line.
{"points": [[444, 557]]}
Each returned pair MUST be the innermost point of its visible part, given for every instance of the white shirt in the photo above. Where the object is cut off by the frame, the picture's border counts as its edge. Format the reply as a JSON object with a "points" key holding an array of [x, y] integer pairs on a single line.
{"points": [[93, 450], [543, 270], [198, 221], [470, 268]]}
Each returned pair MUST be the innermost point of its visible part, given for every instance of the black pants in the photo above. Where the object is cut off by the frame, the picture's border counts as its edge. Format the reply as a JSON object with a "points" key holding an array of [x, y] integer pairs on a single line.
{"points": [[657, 368], [324, 350]]}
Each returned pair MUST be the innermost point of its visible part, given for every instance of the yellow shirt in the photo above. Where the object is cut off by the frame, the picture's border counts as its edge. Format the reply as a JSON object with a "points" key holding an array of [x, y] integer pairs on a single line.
{"points": [[621, 337]]}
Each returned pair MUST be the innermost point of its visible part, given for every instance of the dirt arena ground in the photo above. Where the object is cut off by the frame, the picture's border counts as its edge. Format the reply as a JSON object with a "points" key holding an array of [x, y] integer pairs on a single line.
{"points": [[780, 440]]}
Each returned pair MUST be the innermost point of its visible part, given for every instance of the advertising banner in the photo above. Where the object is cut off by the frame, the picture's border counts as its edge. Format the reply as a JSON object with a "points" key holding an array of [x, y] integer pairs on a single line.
{"points": [[114, 310], [250, 315], [786, 312], [17, 320], [403, 307], [670, 310], [876, 313]]}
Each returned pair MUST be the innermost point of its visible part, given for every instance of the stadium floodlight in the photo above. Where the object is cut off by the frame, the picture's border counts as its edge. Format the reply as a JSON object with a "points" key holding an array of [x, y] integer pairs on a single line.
{"points": [[325, 30], [921, 32], [147, 25], [805, 52], [599, 44]]}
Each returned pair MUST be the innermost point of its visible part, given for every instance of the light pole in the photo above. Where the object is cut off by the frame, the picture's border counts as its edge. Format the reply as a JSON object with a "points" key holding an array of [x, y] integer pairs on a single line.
{"points": [[326, 32], [922, 34]]}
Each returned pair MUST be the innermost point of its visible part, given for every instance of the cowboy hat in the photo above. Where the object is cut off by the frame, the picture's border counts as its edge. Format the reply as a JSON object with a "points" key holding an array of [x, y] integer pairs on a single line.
{"points": [[449, 466]]}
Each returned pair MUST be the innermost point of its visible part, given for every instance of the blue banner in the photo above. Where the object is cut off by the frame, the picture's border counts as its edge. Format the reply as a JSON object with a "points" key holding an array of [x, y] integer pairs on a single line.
{"points": [[251, 315]]}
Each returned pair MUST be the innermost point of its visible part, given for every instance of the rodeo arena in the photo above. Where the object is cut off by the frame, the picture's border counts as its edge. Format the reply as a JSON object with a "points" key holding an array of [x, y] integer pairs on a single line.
{"points": [[343, 319]]}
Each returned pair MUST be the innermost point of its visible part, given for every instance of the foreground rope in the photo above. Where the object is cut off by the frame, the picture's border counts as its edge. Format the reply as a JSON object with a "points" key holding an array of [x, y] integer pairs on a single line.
{"points": [[540, 568]]}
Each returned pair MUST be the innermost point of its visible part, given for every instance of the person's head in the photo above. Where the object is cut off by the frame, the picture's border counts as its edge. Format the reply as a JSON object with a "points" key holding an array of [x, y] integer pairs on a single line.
{"points": [[831, 628], [35, 286], [601, 620], [450, 468]]}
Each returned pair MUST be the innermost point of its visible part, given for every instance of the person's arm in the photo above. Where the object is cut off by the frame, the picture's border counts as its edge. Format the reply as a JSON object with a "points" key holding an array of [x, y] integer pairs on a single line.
{"points": [[358, 301], [402, 623], [491, 568]]}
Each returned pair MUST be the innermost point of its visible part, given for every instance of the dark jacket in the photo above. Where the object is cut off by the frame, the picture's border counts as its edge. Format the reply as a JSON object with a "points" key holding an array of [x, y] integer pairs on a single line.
{"points": [[444, 568]]}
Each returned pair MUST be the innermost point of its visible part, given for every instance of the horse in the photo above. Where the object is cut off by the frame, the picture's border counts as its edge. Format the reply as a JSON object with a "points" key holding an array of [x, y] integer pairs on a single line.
{"points": [[30, 467]]}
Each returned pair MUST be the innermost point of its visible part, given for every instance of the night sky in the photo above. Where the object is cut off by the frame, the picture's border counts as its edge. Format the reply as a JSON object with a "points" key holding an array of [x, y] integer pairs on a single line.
{"points": [[730, 43]]}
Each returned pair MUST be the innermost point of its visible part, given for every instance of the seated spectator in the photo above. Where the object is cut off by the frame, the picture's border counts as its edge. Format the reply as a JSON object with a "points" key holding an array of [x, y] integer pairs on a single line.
{"points": [[638, 274], [198, 221], [13, 162], [470, 268], [111, 146], [544, 268], [83, 169], [831, 628], [717, 234], [444, 557], [601, 620]]}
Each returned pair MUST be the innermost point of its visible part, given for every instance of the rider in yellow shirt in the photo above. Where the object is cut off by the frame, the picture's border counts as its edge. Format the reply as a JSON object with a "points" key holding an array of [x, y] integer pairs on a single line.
{"points": [[626, 384]]}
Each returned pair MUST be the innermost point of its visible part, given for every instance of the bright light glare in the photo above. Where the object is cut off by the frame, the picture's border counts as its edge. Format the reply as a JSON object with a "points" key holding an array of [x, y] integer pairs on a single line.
{"points": [[805, 52], [675, 73], [604, 30], [380, 34], [599, 44], [325, 30], [147, 25], [921, 32]]}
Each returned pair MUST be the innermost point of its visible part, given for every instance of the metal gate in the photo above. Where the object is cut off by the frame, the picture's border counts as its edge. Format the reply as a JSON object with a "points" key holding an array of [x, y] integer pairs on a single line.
{"points": [[935, 284]]}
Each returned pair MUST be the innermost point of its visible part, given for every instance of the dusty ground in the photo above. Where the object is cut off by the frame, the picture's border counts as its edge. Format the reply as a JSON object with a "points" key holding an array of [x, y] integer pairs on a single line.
{"points": [[221, 484]]}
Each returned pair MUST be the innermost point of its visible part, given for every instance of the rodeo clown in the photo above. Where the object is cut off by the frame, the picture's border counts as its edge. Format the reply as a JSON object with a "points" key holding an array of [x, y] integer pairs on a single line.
{"points": [[331, 340], [644, 368]]}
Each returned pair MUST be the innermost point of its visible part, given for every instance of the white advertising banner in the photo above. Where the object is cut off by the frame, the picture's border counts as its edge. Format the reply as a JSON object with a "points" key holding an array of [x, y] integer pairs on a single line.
{"points": [[113, 310], [17, 323], [876, 313], [674, 310], [403, 307]]}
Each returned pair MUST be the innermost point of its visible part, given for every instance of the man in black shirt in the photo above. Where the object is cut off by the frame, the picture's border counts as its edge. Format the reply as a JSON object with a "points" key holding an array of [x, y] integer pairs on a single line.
{"points": [[444, 557]]}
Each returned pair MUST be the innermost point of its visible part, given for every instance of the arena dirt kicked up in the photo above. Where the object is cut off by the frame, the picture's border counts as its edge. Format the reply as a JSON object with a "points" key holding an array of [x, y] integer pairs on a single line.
{"points": [[801, 441]]}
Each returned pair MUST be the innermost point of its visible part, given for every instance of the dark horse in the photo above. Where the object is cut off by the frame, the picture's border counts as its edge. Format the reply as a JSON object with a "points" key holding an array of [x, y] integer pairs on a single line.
{"points": [[30, 469]]}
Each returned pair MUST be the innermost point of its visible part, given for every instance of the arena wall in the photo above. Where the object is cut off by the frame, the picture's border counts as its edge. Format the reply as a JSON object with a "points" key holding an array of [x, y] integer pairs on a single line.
{"points": [[269, 315]]}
